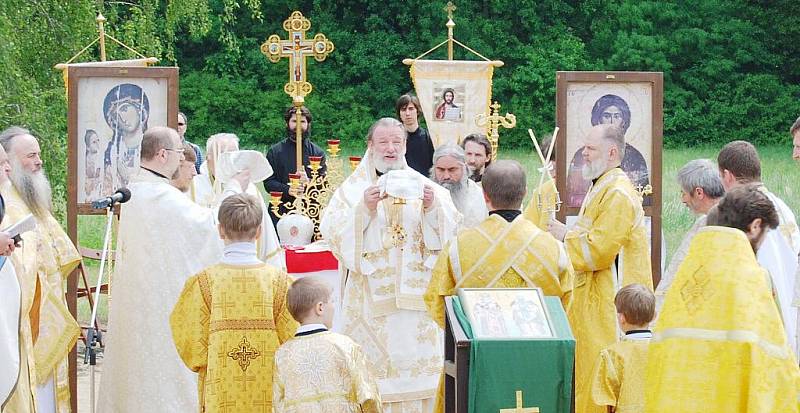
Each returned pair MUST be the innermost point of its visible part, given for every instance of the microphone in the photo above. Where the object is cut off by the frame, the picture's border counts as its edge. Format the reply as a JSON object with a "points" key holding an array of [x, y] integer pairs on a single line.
{"points": [[120, 197]]}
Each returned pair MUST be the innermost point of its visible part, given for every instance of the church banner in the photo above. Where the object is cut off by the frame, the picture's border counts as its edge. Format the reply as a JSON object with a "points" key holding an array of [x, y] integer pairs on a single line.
{"points": [[452, 93]]}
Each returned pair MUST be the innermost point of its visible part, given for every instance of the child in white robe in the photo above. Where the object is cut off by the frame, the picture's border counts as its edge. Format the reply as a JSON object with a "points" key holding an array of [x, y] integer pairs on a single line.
{"points": [[318, 370]]}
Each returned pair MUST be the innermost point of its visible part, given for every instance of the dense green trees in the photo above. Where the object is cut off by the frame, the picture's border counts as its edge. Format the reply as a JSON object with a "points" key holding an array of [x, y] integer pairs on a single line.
{"points": [[731, 68]]}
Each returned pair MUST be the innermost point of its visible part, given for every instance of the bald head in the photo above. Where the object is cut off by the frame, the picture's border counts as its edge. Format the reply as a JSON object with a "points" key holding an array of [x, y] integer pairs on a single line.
{"points": [[155, 139], [162, 150], [504, 185]]}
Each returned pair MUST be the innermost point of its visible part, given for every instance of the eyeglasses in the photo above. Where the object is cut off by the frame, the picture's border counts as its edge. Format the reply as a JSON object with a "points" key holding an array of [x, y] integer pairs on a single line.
{"points": [[181, 124]]}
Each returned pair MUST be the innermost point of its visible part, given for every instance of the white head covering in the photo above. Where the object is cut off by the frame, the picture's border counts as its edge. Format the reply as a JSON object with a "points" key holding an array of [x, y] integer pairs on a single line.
{"points": [[295, 230]]}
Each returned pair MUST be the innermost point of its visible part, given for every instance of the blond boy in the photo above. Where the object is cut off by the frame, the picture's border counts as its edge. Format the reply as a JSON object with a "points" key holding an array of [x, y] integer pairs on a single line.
{"points": [[232, 316], [320, 371], [618, 378]]}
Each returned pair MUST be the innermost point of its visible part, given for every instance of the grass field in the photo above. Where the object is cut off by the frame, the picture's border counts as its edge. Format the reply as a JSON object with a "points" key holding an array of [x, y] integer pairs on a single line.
{"points": [[780, 173]]}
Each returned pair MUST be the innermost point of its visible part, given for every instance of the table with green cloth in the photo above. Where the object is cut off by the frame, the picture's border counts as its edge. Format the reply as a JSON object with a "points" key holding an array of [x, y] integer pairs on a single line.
{"points": [[541, 368]]}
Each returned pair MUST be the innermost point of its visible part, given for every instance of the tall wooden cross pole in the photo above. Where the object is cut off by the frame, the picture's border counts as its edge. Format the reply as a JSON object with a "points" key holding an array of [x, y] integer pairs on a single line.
{"points": [[297, 48]]}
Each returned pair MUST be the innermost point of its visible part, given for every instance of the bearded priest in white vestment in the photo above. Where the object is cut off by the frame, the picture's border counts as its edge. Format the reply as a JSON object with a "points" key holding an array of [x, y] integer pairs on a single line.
{"points": [[164, 238], [386, 249], [450, 171], [46, 257], [209, 191], [739, 164]]}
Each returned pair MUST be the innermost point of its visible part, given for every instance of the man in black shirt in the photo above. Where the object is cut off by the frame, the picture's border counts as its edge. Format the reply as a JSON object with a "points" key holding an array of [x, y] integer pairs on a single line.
{"points": [[419, 146], [282, 157]]}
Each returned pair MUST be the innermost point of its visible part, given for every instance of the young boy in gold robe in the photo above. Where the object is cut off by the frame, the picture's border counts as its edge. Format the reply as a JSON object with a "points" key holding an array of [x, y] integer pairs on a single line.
{"points": [[231, 317], [320, 371], [618, 378]]}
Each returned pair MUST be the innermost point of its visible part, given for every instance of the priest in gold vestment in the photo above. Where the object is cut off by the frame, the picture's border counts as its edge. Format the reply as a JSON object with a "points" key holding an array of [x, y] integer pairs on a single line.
{"points": [[541, 208], [320, 371], [504, 251], [47, 256], [386, 247], [231, 317], [609, 249], [719, 344]]}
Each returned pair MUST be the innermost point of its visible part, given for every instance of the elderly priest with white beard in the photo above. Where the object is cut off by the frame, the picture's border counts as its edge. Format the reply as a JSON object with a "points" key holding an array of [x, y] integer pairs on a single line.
{"points": [[386, 224], [450, 171], [164, 238], [608, 248], [47, 330]]}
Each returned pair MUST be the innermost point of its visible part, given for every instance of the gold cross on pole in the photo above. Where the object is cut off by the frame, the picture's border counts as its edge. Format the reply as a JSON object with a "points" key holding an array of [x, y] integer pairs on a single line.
{"points": [[450, 8], [297, 48], [519, 408], [492, 123]]}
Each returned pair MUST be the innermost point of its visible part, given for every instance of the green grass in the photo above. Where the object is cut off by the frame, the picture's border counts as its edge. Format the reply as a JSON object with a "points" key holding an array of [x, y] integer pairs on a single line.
{"points": [[779, 171]]}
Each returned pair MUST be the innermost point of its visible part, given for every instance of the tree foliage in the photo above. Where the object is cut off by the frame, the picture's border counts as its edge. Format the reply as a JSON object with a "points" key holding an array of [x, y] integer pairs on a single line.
{"points": [[731, 68]]}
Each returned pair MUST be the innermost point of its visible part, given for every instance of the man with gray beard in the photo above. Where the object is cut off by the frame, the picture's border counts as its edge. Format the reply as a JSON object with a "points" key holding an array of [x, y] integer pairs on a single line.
{"points": [[608, 248], [386, 242], [46, 257], [450, 171]]}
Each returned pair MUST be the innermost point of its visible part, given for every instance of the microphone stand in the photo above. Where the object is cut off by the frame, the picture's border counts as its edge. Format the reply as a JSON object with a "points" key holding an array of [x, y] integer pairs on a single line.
{"points": [[93, 335]]}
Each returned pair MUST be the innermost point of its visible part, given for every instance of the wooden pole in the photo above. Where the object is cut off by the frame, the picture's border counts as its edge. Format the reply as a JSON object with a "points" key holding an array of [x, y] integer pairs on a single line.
{"points": [[100, 21]]}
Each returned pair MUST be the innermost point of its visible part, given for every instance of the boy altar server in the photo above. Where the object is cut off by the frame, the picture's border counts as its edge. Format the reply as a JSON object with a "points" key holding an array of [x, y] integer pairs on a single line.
{"points": [[320, 371], [232, 316], [619, 372]]}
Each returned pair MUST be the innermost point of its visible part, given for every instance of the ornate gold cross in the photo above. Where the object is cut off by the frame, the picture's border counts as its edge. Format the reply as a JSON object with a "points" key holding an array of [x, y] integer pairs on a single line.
{"points": [[297, 48], [519, 408], [244, 353], [492, 123]]}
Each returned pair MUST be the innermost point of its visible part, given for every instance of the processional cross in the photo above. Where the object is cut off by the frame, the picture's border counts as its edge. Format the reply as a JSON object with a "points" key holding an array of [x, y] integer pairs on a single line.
{"points": [[297, 48], [519, 408], [492, 123]]}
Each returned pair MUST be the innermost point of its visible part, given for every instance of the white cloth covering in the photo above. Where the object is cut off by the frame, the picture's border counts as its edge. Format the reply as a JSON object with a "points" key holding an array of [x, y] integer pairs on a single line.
{"points": [[164, 238]]}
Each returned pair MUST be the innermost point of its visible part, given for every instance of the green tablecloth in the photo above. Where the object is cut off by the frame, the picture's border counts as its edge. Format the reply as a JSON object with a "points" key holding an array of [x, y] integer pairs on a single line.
{"points": [[541, 368]]}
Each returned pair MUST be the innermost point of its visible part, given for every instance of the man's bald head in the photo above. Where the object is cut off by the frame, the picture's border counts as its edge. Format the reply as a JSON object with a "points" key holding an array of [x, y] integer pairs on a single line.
{"points": [[157, 138], [504, 184]]}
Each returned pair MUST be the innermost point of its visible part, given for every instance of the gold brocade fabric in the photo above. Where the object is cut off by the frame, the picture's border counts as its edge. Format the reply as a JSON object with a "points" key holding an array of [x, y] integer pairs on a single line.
{"points": [[719, 344], [323, 373], [618, 377], [542, 204], [49, 331], [499, 254], [226, 326], [611, 223]]}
